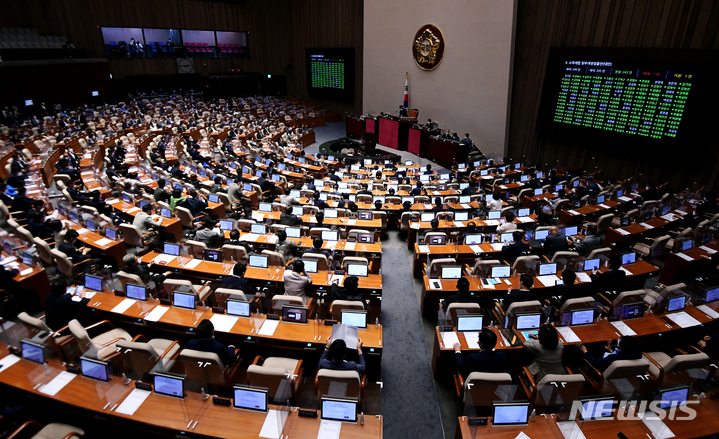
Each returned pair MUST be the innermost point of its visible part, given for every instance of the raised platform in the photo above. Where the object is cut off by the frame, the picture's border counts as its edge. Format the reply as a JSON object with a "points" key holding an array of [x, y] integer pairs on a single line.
{"points": [[363, 149]]}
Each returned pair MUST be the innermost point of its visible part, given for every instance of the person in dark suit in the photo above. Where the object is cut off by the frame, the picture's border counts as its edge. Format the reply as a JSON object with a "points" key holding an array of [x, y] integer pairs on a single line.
{"points": [[515, 249], [417, 190], [217, 186], [317, 248], [288, 218], [486, 360], [60, 308], [333, 357], [318, 202], [38, 226], [365, 190], [237, 281], [591, 242], [522, 294], [555, 242], [612, 280], [206, 342], [160, 194], [626, 350], [438, 205], [592, 187], [403, 112], [335, 178], [428, 170], [194, 204]]}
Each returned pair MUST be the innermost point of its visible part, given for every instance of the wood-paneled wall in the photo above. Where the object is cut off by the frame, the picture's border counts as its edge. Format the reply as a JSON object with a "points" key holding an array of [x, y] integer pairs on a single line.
{"points": [[668, 24], [279, 32]]}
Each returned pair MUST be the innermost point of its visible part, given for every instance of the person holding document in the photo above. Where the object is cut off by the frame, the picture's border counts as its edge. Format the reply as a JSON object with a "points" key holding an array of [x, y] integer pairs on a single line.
{"points": [[333, 357]]}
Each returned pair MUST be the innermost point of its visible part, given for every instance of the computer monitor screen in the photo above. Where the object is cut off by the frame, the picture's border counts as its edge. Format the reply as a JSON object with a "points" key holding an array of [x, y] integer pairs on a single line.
{"points": [[570, 231], [600, 199], [294, 193], [238, 308], [355, 168], [336, 409], [247, 398], [501, 271], [32, 351], [620, 193], [451, 272], [367, 161], [359, 270], [712, 294], [319, 182], [293, 232], [364, 215], [169, 385], [524, 178], [464, 199], [541, 235], [686, 245], [95, 369], [90, 225], [227, 224], [247, 187], [524, 212], [469, 322], [310, 265], [593, 409], [365, 238], [265, 207], [461, 216], [73, 217], [591, 264], [673, 396], [463, 186], [165, 212], [495, 214], [214, 198], [93, 282], [582, 317], [259, 229], [424, 177], [426, 217], [137, 292], [171, 249], [354, 317], [547, 269], [330, 235], [484, 172], [275, 177], [633, 311], [529, 321], [126, 198], [27, 259], [506, 237], [538, 191], [110, 233], [540, 174], [330, 213], [473, 239], [258, 261], [213, 255], [510, 414], [294, 314], [183, 300], [436, 239], [297, 210], [676, 303], [629, 258]]}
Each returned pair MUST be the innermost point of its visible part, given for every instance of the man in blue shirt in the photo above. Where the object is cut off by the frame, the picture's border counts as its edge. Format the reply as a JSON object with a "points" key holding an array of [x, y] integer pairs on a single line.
{"points": [[333, 357]]}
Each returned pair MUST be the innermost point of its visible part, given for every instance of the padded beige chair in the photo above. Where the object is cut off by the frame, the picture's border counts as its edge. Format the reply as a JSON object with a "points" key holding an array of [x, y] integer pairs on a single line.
{"points": [[604, 222], [553, 390], [526, 265], [234, 253], [627, 373], [337, 306], [126, 278], [406, 218], [435, 266], [273, 372], [429, 235], [43, 251], [602, 253], [653, 250], [50, 431], [196, 249], [483, 267], [102, 346], [481, 389], [201, 291], [279, 300], [445, 216], [22, 233], [565, 259], [207, 367], [316, 232], [185, 217], [65, 265], [131, 235], [323, 263], [222, 294], [353, 385], [143, 357], [671, 368], [456, 308], [354, 260], [274, 259]]}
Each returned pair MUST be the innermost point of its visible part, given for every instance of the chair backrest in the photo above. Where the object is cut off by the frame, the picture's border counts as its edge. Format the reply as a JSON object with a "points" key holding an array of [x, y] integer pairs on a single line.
{"points": [[565, 259], [601, 253], [222, 294], [519, 306], [624, 295], [353, 260], [405, 219], [203, 367], [279, 300], [680, 363], [352, 386], [456, 308], [171, 285], [274, 258], [322, 261], [337, 306], [24, 234], [36, 323], [131, 235], [233, 253], [43, 250], [481, 388], [604, 222], [62, 262], [558, 389], [80, 333], [484, 265], [526, 265], [626, 369], [126, 278], [271, 378], [196, 249], [185, 216], [138, 357], [317, 231], [435, 266], [577, 302]]}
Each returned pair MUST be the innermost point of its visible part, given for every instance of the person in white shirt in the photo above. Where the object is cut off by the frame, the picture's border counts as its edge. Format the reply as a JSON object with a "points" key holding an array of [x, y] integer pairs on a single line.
{"points": [[495, 203], [509, 225], [297, 281]]}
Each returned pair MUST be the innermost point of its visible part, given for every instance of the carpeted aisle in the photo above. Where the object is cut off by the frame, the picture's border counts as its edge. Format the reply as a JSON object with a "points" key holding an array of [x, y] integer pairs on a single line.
{"points": [[409, 401]]}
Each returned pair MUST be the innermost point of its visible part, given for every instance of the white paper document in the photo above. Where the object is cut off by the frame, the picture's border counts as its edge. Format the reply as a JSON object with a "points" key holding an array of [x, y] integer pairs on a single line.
{"points": [[257, 216], [414, 226], [573, 212], [123, 306], [646, 226], [625, 199], [623, 328], [8, 361], [629, 273], [603, 206], [711, 251], [668, 217], [658, 428], [113, 201], [472, 339], [525, 219], [57, 383], [487, 286], [475, 248], [268, 328], [683, 319], [350, 245], [583, 277], [423, 249], [685, 257], [103, 241], [465, 206], [223, 323], [497, 246], [133, 402], [163, 259], [622, 231], [491, 222], [249, 237], [568, 335], [708, 311], [272, 427], [351, 222], [156, 314], [449, 338], [458, 224], [549, 280], [570, 430], [82, 230], [26, 271], [329, 430], [192, 264]]}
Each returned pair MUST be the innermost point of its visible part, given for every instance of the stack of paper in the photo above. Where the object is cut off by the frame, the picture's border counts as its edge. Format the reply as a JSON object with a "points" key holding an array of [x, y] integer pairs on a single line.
{"points": [[472, 339], [573, 212], [622, 231], [349, 245], [268, 328], [156, 314], [249, 237], [423, 248], [192, 264], [658, 428], [465, 206], [568, 335], [711, 251], [133, 402], [8, 361], [58, 383], [223, 323], [497, 246], [623, 328], [685, 257], [123, 306], [476, 248], [629, 273], [549, 280], [646, 226], [449, 338], [683, 319], [583, 277], [103, 241], [708, 311], [163, 259]]}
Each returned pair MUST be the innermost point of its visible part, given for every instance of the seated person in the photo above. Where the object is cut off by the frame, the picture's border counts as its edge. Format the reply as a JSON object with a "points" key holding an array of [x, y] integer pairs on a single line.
{"points": [[317, 248], [237, 281], [591, 242], [176, 198], [516, 248], [297, 280], [495, 203], [318, 202], [144, 222], [209, 233], [67, 246], [709, 344], [462, 296], [284, 247], [612, 280], [194, 204], [206, 342], [486, 360], [333, 357], [555, 242], [348, 291], [288, 218], [59, 306], [509, 225], [547, 350], [235, 240], [523, 294], [132, 266], [38, 226], [438, 205], [434, 224], [627, 349]]}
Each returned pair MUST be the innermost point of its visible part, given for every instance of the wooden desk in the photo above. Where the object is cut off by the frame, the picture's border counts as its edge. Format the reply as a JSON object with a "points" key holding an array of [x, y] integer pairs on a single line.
{"points": [[113, 249], [129, 211], [677, 264], [483, 226]]}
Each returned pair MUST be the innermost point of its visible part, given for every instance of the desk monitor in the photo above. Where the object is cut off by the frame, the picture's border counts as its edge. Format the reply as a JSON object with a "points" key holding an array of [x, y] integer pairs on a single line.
{"points": [[341, 184], [143, 203], [685, 245], [437, 240], [711, 295], [528, 321], [463, 186], [676, 303], [91, 226], [665, 210], [424, 177], [258, 261], [495, 214], [674, 396], [365, 238], [465, 199], [506, 237], [629, 258], [169, 385], [73, 217], [110, 233], [484, 172], [339, 409], [524, 178], [178, 186], [620, 193], [293, 232], [171, 249], [310, 265], [330, 213], [294, 314], [426, 217], [297, 210], [213, 255], [227, 224], [570, 231], [95, 369], [137, 292], [524, 212], [238, 307], [444, 176], [230, 180], [600, 199], [125, 197], [625, 221], [510, 414], [367, 216], [183, 300], [354, 317], [591, 264], [541, 235], [367, 162], [33, 351], [451, 272], [247, 187], [473, 239], [276, 177], [93, 282], [265, 207], [538, 191], [379, 198], [501, 271], [547, 269], [165, 212], [294, 193], [330, 235], [359, 270], [540, 174], [461, 216], [582, 317], [319, 182], [633, 310], [247, 398], [469, 322], [27, 259], [597, 408], [355, 168], [258, 229]]}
